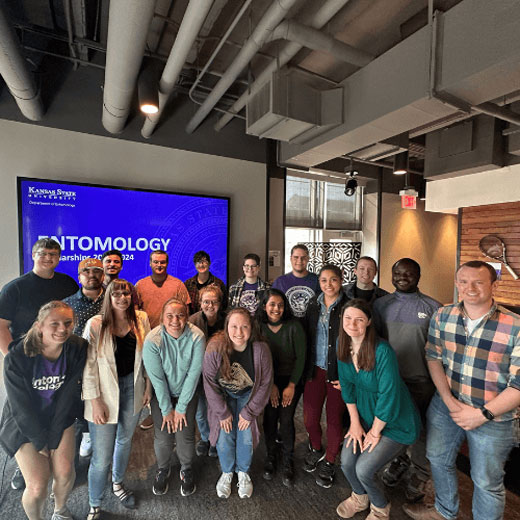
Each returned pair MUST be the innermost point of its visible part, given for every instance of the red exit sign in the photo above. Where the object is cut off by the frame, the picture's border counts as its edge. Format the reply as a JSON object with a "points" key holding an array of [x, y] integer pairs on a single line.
{"points": [[408, 202]]}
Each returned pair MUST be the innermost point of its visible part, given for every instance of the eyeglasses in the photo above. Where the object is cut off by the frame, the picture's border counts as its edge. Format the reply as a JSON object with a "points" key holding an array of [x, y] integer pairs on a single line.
{"points": [[202, 262], [119, 294], [210, 302], [43, 254], [246, 266]]}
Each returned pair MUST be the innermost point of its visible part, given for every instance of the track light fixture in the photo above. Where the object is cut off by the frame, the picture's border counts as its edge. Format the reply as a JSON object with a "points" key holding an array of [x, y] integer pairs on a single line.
{"points": [[401, 163], [147, 87], [351, 184]]}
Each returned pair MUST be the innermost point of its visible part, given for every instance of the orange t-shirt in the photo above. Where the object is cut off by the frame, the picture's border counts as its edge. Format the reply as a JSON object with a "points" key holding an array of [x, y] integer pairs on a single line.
{"points": [[152, 298]]}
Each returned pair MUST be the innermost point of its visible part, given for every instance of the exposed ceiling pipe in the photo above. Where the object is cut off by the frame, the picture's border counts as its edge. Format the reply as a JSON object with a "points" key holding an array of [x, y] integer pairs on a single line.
{"points": [[220, 44], [128, 24], [17, 77], [311, 38], [272, 17], [192, 22], [316, 20]]}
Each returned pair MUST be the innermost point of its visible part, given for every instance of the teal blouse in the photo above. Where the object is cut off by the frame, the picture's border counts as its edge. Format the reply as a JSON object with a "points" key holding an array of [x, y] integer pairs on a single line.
{"points": [[381, 393]]}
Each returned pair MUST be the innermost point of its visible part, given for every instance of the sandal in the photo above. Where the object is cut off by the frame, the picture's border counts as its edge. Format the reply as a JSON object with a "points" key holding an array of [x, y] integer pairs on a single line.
{"points": [[94, 513], [126, 497]]}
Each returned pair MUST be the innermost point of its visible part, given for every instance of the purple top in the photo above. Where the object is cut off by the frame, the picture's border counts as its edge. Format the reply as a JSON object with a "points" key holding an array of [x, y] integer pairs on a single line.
{"points": [[217, 407], [248, 297], [48, 376], [299, 291]]}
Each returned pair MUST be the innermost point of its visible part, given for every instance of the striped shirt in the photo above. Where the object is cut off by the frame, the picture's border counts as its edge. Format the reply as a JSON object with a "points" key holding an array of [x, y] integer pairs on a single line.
{"points": [[480, 365]]}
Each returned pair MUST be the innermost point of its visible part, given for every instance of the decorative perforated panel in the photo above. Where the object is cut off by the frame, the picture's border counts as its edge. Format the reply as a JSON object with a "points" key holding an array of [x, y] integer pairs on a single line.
{"points": [[343, 254]]}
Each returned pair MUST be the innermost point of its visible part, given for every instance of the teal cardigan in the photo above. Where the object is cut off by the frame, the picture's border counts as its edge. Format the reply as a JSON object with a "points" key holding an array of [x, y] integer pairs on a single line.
{"points": [[381, 393]]}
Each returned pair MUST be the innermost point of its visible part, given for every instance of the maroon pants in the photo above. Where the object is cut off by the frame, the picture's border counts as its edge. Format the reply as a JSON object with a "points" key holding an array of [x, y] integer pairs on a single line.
{"points": [[314, 395]]}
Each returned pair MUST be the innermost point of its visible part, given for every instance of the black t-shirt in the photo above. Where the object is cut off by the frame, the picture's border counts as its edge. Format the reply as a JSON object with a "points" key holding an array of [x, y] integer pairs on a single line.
{"points": [[125, 354], [364, 294], [242, 371], [21, 299]]}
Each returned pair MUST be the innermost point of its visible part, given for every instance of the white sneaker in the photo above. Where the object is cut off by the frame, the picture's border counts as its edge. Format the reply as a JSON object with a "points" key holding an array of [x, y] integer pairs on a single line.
{"points": [[245, 486], [85, 448], [224, 485]]}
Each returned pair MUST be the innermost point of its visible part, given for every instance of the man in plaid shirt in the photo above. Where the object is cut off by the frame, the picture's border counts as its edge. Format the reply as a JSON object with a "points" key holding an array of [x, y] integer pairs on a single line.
{"points": [[473, 355]]}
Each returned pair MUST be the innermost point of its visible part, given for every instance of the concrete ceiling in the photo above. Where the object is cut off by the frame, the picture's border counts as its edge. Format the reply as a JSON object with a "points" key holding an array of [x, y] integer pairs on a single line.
{"points": [[477, 60]]}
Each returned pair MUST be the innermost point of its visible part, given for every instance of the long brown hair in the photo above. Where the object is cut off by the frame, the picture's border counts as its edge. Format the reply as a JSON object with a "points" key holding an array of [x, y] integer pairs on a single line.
{"points": [[221, 342], [32, 341], [108, 318], [366, 358]]}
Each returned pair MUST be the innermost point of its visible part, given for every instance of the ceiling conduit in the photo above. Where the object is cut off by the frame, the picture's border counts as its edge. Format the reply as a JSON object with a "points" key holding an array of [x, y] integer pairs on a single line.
{"points": [[316, 20], [272, 17], [305, 36], [128, 24], [17, 77], [192, 22]]}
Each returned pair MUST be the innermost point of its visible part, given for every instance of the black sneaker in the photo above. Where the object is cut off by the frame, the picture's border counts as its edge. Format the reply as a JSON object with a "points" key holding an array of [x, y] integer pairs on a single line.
{"points": [[212, 451], [395, 471], [18, 482], [415, 489], [325, 474], [288, 472], [311, 460], [188, 486], [160, 483], [269, 467], [202, 448]]}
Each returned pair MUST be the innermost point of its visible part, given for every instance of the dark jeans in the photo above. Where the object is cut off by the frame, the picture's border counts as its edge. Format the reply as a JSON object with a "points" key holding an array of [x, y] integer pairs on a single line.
{"points": [[282, 415]]}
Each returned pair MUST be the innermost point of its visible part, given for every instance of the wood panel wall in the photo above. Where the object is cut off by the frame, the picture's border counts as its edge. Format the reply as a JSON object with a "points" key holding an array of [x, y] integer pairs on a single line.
{"points": [[502, 220]]}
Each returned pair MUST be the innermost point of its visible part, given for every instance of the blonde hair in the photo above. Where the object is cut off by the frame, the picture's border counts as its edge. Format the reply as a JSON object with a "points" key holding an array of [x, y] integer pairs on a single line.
{"points": [[32, 341]]}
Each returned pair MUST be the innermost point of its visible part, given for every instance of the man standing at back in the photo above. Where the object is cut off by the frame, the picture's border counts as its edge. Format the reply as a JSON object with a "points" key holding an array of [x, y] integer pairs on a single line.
{"points": [[364, 286], [249, 290], [112, 265], [299, 285], [153, 291], [21, 299], [403, 318], [202, 279], [473, 354]]}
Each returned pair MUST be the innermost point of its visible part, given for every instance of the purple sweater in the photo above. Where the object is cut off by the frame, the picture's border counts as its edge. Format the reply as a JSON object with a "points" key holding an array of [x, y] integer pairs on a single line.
{"points": [[217, 407]]}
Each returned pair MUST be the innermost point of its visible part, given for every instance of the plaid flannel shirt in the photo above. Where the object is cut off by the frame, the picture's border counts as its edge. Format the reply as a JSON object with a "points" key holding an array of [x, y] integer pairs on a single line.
{"points": [[193, 291], [480, 365]]}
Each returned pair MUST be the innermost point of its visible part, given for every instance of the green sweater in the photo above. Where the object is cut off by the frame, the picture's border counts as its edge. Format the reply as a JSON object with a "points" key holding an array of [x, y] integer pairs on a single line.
{"points": [[381, 393], [174, 365], [288, 349]]}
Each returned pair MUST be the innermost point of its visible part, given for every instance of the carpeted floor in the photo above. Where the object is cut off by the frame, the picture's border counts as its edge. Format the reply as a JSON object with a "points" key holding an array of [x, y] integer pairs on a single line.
{"points": [[271, 500]]}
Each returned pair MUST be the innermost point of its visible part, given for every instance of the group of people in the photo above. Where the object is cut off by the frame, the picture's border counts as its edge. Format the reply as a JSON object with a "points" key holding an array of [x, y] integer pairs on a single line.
{"points": [[404, 381]]}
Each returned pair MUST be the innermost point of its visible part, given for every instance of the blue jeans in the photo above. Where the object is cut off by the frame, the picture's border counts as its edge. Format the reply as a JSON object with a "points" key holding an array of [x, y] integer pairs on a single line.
{"points": [[360, 469], [489, 446], [202, 417], [235, 449], [111, 443]]}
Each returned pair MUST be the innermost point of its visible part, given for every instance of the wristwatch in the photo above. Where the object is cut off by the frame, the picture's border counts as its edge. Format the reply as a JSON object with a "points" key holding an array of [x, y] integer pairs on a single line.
{"points": [[486, 413]]}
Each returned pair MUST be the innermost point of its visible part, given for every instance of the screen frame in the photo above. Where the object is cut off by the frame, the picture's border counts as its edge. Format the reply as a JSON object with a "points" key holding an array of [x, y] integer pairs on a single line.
{"points": [[19, 181]]}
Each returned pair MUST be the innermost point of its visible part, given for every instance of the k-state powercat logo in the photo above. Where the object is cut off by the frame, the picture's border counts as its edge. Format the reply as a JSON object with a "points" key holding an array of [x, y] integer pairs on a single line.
{"points": [[50, 194]]}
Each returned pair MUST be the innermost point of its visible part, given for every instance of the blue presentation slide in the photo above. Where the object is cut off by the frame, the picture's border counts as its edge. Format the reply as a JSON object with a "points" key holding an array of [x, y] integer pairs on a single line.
{"points": [[88, 220]]}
